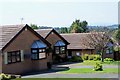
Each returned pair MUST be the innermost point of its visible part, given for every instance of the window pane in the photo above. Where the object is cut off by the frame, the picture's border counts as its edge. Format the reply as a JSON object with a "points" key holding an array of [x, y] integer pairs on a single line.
{"points": [[107, 51], [9, 59], [62, 49], [18, 56], [42, 55], [34, 56], [13, 59], [57, 50], [43, 50], [34, 51], [40, 50]]}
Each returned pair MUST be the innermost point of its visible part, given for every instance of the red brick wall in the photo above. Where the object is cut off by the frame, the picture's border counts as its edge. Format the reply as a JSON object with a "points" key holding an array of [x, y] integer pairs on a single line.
{"points": [[23, 42]]}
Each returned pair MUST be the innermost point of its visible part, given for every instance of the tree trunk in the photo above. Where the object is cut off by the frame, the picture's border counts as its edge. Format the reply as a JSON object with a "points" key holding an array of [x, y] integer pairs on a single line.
{"points": [[102, 58]]}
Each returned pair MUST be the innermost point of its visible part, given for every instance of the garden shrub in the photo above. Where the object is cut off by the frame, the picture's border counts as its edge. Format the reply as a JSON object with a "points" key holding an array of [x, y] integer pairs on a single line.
{"points": [[108, 60], [85, 57], [91, 57], [76, 59], [98, 67], [5, 77], [97, 57], [8, 77]]}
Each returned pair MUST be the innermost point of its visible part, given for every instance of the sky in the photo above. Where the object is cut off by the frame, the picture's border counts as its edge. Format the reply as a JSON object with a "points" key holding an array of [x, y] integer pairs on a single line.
{"points": [[58, 13]]}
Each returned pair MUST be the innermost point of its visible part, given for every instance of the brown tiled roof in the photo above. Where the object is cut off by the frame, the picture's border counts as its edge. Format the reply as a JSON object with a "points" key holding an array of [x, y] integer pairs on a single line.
{"points": [[77, 40], [43, 32], [46, 32], [7, 32]]}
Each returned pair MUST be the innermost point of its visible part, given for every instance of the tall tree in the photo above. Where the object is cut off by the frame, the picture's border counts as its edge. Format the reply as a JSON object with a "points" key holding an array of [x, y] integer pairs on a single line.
{"points": [[98, 40], [78, 27], [33, 26], [63, 30], [84, 26]]}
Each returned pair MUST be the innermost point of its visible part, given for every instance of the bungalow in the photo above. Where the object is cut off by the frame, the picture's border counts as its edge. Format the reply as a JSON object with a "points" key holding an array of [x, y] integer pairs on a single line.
{"points": [[58, 44], [22, 50], [80, 45]]}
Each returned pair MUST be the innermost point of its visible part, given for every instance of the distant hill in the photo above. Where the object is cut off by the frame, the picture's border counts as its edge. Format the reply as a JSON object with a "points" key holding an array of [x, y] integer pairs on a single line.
{"points": [[103, 28], [109, 26]]}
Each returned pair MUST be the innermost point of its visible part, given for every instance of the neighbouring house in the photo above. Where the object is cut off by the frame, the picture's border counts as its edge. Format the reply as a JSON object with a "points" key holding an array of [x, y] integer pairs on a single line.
{"points": [[80, 45], [58, 44], [22, 50]]}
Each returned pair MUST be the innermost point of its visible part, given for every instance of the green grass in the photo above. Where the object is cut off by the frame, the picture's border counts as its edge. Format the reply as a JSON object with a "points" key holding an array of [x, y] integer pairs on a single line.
{"points": [[89, 70], [91, 62]]}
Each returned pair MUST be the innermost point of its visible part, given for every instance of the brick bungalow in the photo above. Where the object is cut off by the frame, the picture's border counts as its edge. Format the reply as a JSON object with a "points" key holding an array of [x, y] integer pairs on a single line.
{"points": [[22, 50], [79, 45], [58, 44]]}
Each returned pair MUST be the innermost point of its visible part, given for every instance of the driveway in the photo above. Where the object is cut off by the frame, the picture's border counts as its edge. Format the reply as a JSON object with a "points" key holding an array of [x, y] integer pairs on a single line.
{"points": [[59, 75], [54, 72]]}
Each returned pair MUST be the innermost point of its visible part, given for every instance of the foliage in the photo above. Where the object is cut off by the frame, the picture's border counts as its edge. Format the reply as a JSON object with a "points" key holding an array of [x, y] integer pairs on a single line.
{"points": [[97, 57], [108, 59], [5, 77], [98, 40], [63, 30], [79, 27], [33, 26], [117, 48], [98, 67], [76, 59], [85, 57], [118, 34], [8, 77], [91, 57]]}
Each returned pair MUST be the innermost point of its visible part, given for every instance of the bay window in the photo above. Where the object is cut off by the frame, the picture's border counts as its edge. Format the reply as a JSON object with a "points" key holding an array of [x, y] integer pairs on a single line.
{"points": [[59, 47], [38, 50]]}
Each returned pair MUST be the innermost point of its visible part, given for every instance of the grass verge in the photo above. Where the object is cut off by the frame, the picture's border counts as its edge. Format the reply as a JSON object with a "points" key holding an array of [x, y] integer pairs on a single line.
{"points": [[89, 70], [91, 62]]}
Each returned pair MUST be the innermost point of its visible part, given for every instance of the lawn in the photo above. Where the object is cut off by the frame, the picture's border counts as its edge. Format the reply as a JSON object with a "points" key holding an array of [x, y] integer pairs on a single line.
{"points": [[91, 62], [89, 70]]}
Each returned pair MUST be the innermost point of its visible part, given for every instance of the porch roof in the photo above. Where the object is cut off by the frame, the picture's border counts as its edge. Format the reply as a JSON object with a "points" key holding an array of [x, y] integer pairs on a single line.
{"points": [[38, 44], [59, 43]]}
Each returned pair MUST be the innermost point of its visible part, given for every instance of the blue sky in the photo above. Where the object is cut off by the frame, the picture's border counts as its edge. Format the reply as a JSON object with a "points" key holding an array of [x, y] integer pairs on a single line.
{"points": [[58, 13]]}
